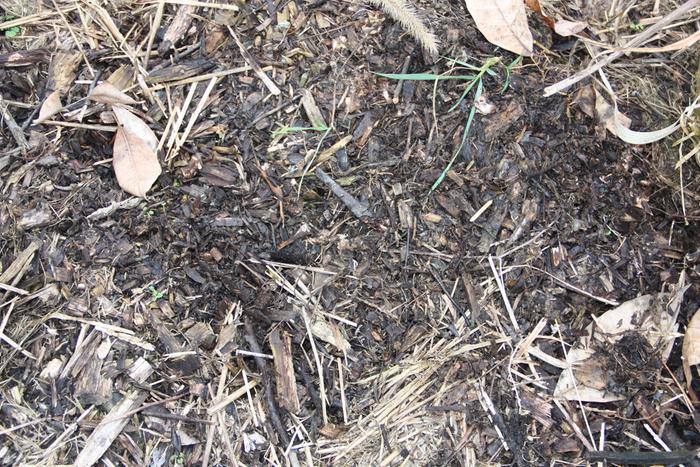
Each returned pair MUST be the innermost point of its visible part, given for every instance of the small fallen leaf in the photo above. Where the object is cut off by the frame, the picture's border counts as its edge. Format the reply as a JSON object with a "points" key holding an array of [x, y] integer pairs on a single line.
{"points": [[585, 99], [691, 347], [569, 28], [106, 93], [135, 161], [329, 332], [135, 126], [51, 106], [503, 23]]}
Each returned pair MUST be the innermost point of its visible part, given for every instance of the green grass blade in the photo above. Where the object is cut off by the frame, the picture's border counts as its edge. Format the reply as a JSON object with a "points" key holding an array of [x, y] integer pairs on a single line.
{"points": [[467, 127], [422, 76], [464, 64], [464, 94]]}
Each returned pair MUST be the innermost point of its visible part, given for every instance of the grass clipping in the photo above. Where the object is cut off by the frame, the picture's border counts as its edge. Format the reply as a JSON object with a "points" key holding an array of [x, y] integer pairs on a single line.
{"points": [[407, 16]]}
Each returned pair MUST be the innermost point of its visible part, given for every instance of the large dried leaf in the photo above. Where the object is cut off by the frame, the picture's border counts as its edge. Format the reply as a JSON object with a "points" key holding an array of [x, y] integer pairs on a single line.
{"points": [[691, 347], [135, 161], [51, 106], [652, 317], [136, 126], [106, 93], [503, 23]]}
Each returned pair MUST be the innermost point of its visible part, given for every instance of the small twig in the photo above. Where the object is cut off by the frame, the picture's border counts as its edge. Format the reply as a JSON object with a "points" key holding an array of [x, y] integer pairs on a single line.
{"points": [[15, 129], [357, 208], [269, 84]]}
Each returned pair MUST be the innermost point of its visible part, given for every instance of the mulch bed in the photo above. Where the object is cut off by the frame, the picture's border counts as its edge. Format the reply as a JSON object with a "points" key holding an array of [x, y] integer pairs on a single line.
{"points": [[244, 314]]}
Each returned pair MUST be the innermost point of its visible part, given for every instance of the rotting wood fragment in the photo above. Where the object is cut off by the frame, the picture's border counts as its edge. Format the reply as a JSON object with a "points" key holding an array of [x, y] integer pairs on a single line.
{"points": [[312, 111], [177, 28], [281, 345], [15, 271], [109, 428], [184, 70], [185, 363]]}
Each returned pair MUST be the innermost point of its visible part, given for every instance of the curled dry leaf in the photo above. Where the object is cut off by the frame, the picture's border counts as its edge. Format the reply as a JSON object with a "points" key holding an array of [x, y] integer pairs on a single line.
{"points": [[619, 124], [106, 93], [569, 28], [503, 23], [51, 106], [537, 8], [609, 115], [691, 347], [652, 317], [134, 159]]}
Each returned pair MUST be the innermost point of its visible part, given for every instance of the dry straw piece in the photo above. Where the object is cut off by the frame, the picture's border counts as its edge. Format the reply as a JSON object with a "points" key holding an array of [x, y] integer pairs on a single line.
{"points": [[407, 16]]}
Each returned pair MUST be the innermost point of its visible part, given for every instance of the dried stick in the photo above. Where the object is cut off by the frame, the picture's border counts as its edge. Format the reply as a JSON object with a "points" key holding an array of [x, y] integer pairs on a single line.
{"points": [[271, 86], [357, 208], [269, 398], [15, 129]]}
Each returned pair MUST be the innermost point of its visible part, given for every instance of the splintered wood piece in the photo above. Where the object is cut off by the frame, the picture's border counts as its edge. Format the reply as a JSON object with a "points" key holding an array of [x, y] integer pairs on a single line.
{"points": [[92, 387], [312, 110], [16, 130], [19, 266], [109, 428], [227, 340], [62, 71], [185, 364], [281, 345], [183, 70], [20, 58], [201, 335], [177, 29]]}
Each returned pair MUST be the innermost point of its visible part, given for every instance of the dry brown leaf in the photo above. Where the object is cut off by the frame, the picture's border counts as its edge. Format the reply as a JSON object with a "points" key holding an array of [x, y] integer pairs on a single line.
{"points": [[51, 106], [691, 347], [569, 28], [503, 23], [122, 77], [135, 161], [136, 126], [106, 93], [537, 8], [652, 317]]}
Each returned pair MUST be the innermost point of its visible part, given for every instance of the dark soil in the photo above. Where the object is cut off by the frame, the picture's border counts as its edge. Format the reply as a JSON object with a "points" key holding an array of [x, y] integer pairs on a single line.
{"points": [[232, 250]]}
